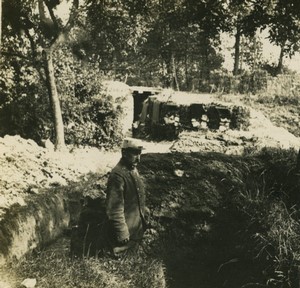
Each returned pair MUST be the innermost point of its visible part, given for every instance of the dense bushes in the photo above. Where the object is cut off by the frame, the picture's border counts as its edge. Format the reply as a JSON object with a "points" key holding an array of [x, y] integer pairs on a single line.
{"points": [[95, 122], [91, 116], [24, 106]]}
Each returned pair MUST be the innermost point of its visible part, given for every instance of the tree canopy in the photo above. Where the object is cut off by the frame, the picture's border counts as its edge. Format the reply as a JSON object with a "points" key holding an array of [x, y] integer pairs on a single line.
{"points": [[168, 43]]}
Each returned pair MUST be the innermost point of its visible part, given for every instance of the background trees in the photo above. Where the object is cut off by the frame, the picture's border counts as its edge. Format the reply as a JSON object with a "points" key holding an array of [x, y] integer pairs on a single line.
{"points": [[284, 27], [151, 42], [117, 30], [39, 31]]}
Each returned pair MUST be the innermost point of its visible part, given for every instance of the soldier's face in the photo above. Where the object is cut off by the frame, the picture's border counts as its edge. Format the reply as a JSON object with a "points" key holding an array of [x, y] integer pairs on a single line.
{"points": [[132, 157]]}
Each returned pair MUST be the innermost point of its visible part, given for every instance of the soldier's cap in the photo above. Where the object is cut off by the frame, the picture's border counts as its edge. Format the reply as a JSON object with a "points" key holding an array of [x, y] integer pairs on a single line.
{"points": [[131, 143]]}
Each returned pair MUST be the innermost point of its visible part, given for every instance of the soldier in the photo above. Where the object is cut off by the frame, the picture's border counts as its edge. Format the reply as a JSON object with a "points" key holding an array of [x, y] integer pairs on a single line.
{"points": [[125, 202]]}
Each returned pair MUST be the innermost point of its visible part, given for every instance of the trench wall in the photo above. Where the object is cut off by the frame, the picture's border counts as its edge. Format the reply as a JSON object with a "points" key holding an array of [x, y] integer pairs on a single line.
{"points": [[25, 228]]}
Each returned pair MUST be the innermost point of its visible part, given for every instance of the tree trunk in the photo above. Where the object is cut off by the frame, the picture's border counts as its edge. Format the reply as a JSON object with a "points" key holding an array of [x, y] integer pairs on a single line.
{"points": [[174, 73], [56, 110], [187, 82], [237, 51], [165, 76], [280, 61]]}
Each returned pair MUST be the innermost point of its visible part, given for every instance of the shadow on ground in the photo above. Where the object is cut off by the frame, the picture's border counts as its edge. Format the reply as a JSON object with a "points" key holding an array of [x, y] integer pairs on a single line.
{"points": [[200, 233]]}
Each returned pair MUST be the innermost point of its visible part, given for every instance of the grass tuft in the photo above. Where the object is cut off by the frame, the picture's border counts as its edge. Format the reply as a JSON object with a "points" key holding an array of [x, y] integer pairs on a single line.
{"points": [[55, 269]]}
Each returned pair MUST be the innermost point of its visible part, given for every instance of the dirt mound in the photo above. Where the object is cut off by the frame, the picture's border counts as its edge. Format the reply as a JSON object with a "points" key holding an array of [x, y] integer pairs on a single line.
{"points": [[260, 133], [27, 167]]}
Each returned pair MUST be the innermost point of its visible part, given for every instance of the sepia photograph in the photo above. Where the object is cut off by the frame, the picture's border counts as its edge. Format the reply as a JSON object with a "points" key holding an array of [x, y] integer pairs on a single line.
{"points": [[149, 143]]}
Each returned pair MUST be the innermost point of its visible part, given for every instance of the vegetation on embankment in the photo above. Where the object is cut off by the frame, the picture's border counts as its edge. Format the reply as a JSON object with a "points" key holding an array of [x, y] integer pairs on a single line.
{"points": [[232, 217], [218, 220], [53, 268]]}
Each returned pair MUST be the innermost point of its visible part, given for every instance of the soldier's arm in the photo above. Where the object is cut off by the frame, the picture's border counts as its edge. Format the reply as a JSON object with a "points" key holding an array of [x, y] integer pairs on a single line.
{"points": [[115, 207]]}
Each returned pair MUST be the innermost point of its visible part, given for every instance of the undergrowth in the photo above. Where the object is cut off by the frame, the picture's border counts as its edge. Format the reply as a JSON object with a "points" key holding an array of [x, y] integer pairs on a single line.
{"points": [[56, 269], [272, 218]]}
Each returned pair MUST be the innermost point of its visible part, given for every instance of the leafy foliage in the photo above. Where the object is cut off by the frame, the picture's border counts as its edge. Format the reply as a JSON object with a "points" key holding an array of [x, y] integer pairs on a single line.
{"points": [[246, 83], [284, 25], [24, 100], [91, 116]]}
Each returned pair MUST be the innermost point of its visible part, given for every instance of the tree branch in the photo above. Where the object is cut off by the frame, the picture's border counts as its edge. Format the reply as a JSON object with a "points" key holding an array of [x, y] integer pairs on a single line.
{"points": [[54, 19], [73, 14], [68, 26], [32, 45]]}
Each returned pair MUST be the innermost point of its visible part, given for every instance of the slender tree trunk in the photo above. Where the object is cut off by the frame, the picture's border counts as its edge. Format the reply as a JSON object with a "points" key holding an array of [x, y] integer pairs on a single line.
{"points": [[206, 64], [186, 72], [57, 115], [237, 51], [166, 82], [280, 61], [255, 54], [115, 66], [174, 72]]}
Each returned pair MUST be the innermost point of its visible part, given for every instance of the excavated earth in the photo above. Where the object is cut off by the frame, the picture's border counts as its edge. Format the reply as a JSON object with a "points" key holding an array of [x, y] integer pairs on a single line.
{"points": [[40, 190]]}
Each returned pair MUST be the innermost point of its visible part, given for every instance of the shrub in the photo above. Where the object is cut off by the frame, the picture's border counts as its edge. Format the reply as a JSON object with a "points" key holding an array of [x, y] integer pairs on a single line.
{"points": [[24, 106], [95, 121], [91, 117], [253, 82]]}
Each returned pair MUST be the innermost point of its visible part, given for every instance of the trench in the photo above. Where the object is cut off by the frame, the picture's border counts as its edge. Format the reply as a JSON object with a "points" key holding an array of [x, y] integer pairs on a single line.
{"points": [[204, 238], [207, 262], [202, 243], [210, 259]]}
